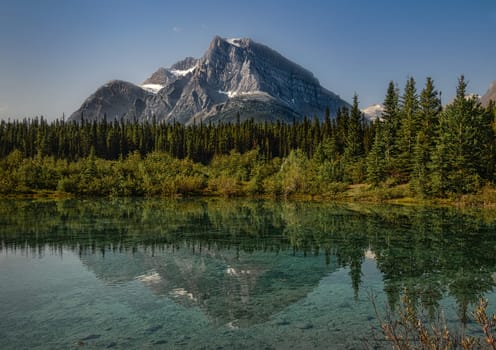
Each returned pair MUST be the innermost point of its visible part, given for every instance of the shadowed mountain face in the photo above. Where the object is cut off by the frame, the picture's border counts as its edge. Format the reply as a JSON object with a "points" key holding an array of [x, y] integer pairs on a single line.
{"points": [[490, 94], [234, 76], [116, 98]]}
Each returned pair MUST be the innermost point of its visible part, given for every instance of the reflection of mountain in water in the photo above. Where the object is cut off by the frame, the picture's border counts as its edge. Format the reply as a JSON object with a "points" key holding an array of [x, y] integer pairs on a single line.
{"points": [[198, 250], [229, 286]]}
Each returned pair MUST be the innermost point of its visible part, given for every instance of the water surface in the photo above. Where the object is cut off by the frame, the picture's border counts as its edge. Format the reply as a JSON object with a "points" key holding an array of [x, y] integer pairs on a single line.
{"points": [[217, 274]]}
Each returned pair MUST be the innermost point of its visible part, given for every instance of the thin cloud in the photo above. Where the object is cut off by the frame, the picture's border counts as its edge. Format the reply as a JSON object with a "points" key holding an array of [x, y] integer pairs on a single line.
{"points": [[177, 29]]}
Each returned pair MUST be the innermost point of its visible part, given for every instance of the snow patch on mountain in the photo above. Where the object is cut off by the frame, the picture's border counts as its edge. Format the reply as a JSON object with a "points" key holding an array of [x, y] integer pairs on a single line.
{"points": [[234, 41], [373, 112], [472, 95], [232, 94], [229, 94], [154, 88], [182, 72]]}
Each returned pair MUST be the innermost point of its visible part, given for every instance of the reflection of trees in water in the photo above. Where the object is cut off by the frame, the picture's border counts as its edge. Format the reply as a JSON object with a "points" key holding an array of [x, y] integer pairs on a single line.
{"points": [[435, 252], [426, 252]]}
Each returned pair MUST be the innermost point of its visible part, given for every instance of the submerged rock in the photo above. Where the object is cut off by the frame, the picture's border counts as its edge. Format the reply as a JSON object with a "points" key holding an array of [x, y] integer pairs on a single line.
{"points": [[92, 337], [304, 325], [153, 329], [282, 322]]}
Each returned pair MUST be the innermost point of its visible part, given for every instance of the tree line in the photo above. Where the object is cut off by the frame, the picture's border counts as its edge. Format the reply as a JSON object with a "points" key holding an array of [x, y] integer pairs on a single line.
{"points": [[73, 141], [437, 151]]}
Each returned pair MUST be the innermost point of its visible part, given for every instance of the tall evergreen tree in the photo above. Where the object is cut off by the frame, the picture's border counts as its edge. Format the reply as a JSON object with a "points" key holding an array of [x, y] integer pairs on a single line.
{"points": [[341, 129], [419, 182], [461, 155], [354, 144], [409, 125], [354, 136], [429, 110], [391, 120], [376, 156]]}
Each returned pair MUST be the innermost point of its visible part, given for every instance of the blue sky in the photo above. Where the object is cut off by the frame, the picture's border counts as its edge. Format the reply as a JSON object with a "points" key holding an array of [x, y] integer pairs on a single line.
{"points": [[55, 53]]}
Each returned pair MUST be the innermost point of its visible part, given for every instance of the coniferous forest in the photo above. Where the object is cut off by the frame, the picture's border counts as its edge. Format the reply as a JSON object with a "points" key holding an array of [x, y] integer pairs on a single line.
{"points": [[418, 148]]}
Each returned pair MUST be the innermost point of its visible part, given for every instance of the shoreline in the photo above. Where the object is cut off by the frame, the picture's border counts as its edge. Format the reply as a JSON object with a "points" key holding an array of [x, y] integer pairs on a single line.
{"points": [[359, 194]]}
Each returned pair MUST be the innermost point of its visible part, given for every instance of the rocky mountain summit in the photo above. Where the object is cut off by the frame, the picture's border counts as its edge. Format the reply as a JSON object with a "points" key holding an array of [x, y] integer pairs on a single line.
{"points": [[233, 76]]}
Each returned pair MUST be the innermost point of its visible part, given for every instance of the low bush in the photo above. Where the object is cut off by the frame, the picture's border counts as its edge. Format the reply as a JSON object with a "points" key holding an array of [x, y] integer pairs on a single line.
{"points": [[409, 328]]}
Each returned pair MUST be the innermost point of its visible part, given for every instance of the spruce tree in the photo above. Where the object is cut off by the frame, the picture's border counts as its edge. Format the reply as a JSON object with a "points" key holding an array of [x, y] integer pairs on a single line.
{"points": [[376, 156], [409, 125], [391, 120], [354, 144], [354, 136], [461, 155], [419, 182], [428, 113], [341, 129]]}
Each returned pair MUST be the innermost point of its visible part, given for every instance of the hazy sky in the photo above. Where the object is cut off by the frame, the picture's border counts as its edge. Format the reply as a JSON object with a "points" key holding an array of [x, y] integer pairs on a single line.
{"points": [[55, 53]]}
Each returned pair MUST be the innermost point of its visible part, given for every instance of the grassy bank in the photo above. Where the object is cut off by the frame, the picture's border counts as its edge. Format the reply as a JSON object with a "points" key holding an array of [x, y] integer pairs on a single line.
{"points": [[343, 193]]}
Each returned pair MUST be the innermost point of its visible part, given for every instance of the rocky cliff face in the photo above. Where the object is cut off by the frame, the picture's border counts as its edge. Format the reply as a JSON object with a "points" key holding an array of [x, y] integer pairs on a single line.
{"points": [[234, 75], [489, 95]]}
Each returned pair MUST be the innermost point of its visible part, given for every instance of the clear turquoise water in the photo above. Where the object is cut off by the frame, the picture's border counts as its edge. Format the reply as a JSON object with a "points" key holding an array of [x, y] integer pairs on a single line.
{"points": [[198, 274]]}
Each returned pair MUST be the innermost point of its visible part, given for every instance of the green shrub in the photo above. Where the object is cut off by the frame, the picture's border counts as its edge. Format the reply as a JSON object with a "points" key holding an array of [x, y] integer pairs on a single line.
{"points": [[224, 185], [68, 185], [193, 184]]}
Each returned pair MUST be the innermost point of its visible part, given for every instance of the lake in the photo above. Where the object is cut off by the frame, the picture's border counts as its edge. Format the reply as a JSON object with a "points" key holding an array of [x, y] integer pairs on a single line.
{"points": [[230, 274]]}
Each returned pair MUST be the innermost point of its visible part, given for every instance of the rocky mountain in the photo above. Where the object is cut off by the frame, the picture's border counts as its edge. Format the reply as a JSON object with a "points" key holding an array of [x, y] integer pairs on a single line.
{"points": [[489, 95], [233, 76], [116, 98], [373, 112]]}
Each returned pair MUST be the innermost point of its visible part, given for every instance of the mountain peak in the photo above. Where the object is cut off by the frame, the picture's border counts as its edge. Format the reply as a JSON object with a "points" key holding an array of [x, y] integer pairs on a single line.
{"points": [[184, 64], [116, 99], [237, 42], [235, 75]]}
